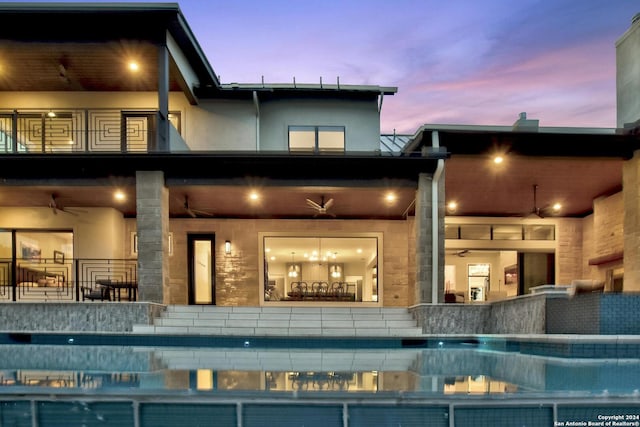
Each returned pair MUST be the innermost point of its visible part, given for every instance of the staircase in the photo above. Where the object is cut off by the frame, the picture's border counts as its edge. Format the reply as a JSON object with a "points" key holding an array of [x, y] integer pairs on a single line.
{"points": [[283, 321]]}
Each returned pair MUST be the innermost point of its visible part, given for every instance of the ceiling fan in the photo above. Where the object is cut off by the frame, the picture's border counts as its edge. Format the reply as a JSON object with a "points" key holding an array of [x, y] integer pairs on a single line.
{"points": [[321, 208], [194, 213], [536, 211], [56, 207]]}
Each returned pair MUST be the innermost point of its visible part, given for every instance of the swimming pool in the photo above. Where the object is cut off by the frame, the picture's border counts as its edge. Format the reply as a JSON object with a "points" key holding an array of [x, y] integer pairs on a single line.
{"points": [[441, 382]]}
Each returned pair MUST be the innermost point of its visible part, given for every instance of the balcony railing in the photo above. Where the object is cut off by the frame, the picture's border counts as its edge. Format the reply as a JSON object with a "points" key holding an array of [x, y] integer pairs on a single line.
{"points": [[48, 279], [71, 131]]}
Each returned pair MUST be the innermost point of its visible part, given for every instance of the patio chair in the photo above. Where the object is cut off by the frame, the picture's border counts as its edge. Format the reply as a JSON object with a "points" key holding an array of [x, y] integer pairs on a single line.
{"points": [[101, 293]]}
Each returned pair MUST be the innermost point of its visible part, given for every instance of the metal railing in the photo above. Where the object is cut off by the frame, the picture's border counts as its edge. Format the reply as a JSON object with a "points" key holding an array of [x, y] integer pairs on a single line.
{"points": [[71, 131], [48, 279]]}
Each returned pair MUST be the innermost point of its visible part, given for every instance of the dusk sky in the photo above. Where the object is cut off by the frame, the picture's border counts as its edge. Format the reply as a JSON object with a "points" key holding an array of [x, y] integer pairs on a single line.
{"points": [[455, 61]]}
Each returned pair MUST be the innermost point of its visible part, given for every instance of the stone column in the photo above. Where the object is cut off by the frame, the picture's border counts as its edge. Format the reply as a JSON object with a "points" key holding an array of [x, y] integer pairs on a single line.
{"points": [[425, 241], [152, 220], [631, 195]]}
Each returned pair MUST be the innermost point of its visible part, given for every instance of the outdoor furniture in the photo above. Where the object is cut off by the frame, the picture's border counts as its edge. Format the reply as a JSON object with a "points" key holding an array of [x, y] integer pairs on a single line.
{"points": [[116, 287], [100, 292]]}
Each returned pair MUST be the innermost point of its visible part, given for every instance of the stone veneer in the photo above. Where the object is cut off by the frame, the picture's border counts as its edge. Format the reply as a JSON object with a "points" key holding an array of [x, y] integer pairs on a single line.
{"points": [[594, 314], [237, 274], [77, 317], [522, 315]]}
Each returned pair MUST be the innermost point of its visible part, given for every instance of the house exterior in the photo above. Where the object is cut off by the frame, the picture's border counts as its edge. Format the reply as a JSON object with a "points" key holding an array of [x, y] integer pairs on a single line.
{"points": [[126, 165], [136, 108]]}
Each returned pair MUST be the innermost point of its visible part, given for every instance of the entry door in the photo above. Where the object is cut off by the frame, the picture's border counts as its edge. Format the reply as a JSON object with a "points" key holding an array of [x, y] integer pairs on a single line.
{"points": [[201, 261]]}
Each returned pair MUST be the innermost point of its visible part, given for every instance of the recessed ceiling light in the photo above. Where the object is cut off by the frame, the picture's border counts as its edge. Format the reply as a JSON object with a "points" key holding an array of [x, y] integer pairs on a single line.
{"points": [[267, 250], [254, 196], [390, 197], [359, 250], [452, 206], [498, 159], [273, 258], [557, 207], [119, 195], [133, 66]]}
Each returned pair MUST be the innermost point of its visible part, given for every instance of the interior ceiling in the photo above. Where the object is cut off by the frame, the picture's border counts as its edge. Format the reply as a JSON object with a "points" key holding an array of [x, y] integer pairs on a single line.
{"points": [[480, 187]]}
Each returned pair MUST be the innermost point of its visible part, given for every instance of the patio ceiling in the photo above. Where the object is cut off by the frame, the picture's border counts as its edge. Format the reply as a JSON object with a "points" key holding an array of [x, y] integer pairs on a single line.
{"points": [[479, 187], [81, 67], [223, 201]]}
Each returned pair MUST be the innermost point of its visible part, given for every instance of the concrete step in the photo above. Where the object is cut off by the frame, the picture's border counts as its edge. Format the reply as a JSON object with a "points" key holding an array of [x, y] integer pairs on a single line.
{"points": [[284, 321]]}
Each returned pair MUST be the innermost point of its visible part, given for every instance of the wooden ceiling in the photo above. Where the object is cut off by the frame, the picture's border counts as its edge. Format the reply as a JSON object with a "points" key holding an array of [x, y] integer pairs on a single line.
{"points": [[479, 186], [80, 67]]}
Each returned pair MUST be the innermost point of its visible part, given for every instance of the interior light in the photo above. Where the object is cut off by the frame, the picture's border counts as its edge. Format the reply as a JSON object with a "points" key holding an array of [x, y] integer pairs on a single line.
{"points": [[498, 159], [133, 66], [227, 247], [267, 250], [359, 250], [273, 258], [71, 142], [119, 195], [253, 196], [390, 197], [51, 114], [557, 207], [452, 206]]}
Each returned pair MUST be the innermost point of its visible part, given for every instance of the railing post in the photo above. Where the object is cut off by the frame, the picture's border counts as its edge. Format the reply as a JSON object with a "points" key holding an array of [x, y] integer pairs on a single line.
{"points": [[77, 276]]}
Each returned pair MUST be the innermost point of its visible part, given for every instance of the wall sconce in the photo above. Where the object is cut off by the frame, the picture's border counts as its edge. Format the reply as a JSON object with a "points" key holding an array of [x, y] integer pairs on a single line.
{"points": [[227, 247]]}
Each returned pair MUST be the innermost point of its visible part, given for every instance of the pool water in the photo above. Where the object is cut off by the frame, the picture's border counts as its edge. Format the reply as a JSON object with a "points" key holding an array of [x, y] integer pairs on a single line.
{"points": [[129, 385]]}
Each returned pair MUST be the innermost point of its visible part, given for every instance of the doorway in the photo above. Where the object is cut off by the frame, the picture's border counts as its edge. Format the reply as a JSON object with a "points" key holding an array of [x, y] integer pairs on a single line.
{"points": [[201, 262]]}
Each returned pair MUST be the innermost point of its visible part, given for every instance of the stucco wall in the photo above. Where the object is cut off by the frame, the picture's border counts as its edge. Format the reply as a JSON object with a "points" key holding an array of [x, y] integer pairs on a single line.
{"points": [[360, 119], [97, 232], [237, 274]]}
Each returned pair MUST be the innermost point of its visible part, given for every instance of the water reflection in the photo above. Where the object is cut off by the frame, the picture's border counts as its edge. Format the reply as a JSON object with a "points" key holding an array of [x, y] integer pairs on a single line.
{"points": [[447, 371]]}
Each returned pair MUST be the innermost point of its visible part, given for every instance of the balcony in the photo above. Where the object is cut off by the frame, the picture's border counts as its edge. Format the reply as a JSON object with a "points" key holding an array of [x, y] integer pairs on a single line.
{"points": [[85, 131]]}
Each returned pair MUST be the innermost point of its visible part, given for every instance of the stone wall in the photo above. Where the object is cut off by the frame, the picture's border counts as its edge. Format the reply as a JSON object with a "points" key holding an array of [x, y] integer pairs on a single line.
{"points": [[590, 314], [569, 259], [77, 317], [452, 318], [237, 274], [524, 315]]}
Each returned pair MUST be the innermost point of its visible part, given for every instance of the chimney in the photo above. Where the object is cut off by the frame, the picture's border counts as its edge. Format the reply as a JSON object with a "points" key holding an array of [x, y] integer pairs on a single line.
{"points": [[525, 125], [627, 82]]}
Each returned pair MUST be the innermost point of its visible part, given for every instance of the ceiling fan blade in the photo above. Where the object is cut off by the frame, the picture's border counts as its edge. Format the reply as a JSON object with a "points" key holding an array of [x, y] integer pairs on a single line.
{"points": [[328, 204], [313, 204]]}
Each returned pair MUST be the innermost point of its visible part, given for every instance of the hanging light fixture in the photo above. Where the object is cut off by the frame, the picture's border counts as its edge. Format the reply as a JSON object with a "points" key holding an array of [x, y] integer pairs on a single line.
{"points": [[336, 271], [293, 268]]}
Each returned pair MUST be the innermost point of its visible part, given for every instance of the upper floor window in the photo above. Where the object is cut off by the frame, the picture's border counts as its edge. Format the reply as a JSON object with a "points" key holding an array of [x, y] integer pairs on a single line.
{"points": [[316, 139]]}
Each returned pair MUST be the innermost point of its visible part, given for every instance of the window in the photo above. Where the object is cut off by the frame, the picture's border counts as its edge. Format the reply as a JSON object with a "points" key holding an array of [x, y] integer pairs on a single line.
{"points": [[316, 139], [335, 269]]}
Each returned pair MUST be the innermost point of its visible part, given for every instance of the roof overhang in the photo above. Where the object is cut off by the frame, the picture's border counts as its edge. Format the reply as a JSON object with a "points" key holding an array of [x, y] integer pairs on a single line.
{"points": [[63, 32], [219, 167], [534, 144]]}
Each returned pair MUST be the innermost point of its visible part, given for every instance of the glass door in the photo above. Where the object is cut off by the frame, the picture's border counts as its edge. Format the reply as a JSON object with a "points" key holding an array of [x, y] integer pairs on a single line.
{"points": [[201, 261]]}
